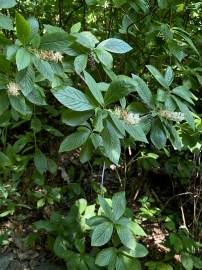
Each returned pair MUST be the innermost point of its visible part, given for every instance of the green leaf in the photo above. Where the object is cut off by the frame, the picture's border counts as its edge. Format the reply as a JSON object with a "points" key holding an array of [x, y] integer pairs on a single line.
{"points": [[40, 162], [187, 113], [44, 68], [173, 135], [74, 140], [23, 28], [53, 131], [22, 59], [6, 22], [18, 103], [138, 251], [75, 28], [96, 140], [136, 229], [44, 225], [111, 143], [34, 25], [119, 88], [143, 90], [136, 132], [86, 152], [72, 98], [186, 36], [4, 104], [157, 75], [163, 4], [184, 93], [102, 234], [106, 256], [197, 262], [120, 125], [118, 204], [7, 3], [164, 266], [157, 135], [25, 79], [126, 236], [57, 41], [36, 97], [80, 63], [105, 207], [86, 39], [105, 57], [92, 85], [4, 64], [169, 75], [36, 124], [115, 45], [60, 248], [73, 118], [187, 262], [4, 160]]}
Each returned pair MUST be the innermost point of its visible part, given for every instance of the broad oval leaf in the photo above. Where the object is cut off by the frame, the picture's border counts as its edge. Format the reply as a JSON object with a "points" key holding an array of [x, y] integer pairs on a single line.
{"points": [[118, 204], [126, 236], [7, 3], [5, 22], [115, 45], [72, 98], [119, 88], [74, 140], [23, 28], [22, 59], [157, 135], [106, 256], [102, 234]]}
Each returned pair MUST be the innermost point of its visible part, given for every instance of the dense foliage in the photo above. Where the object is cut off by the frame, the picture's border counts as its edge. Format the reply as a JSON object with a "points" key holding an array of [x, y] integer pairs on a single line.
{"points": [[115, 85]]}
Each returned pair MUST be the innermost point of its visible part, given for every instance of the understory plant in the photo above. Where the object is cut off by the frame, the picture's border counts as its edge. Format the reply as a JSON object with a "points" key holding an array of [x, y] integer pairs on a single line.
{"points": [[114, 84]]}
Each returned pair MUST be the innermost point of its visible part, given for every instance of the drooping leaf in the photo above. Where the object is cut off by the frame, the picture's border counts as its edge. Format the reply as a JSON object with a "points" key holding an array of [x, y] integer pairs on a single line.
{"points": [[18, 103], [111, 143], [157, 75], [136, 132], [44, 68], [74, 140], [40, 162], [92, 85], [119, 88], [22, 59], [157, 135], [143, 90]]}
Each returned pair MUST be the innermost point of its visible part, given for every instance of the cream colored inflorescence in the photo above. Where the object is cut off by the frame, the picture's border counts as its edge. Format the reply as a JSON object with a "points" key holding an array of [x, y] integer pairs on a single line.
{"points": [[174, 116], [13, 89], [128, 117], [49, 56]]}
